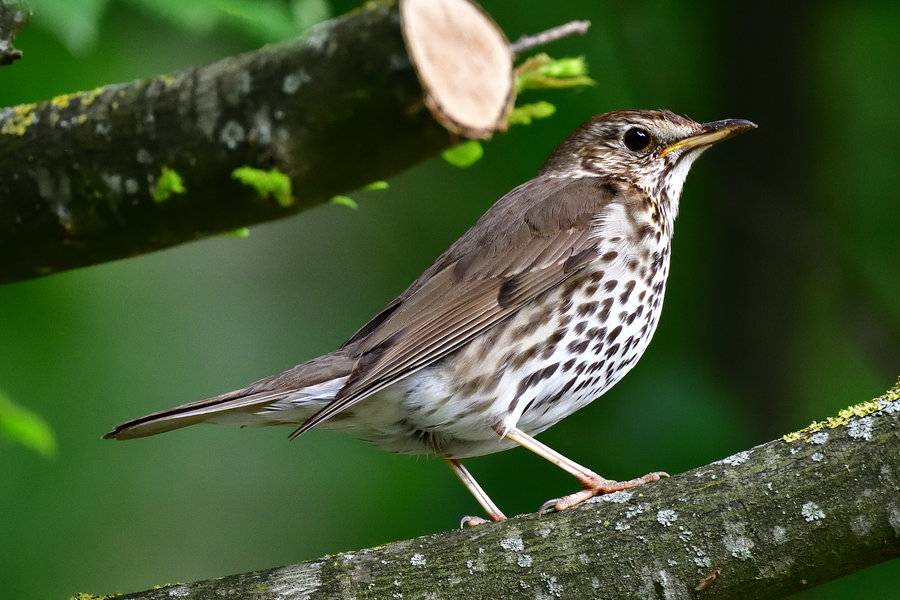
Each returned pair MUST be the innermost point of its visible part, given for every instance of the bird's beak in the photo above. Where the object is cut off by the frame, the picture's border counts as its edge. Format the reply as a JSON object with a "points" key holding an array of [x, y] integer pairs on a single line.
{"points": [[709, 134]]}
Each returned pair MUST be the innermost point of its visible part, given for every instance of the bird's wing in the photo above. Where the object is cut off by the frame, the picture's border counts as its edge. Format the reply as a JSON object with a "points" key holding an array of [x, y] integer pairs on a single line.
{"points": [[531, 240]]}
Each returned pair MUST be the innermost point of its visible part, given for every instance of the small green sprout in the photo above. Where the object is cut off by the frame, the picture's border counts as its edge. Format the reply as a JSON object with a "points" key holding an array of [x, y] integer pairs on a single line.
{"points": [[168, 183], [345, 201], [464, 155], [268, 184]]}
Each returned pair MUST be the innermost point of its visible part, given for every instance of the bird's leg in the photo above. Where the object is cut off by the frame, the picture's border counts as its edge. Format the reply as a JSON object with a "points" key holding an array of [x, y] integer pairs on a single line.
{"points": [[486, 503], [592, 484]]}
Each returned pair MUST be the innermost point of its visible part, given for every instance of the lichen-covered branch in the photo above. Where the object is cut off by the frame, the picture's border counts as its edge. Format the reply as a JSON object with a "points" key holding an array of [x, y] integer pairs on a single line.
{"points": [[763, 523], [86, 177]]}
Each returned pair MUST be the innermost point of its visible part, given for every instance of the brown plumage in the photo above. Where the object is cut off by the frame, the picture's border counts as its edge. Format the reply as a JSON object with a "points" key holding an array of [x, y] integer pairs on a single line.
{"points": [[539, 308]]}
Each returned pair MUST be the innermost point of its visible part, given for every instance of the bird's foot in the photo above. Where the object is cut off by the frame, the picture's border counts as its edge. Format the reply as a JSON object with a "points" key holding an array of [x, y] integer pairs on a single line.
{"points": [[596, 486], [470, 521]]}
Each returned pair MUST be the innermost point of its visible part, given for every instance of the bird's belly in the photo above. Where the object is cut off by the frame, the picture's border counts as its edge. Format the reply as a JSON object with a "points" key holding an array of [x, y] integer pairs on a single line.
{"points": [[548, 360]]}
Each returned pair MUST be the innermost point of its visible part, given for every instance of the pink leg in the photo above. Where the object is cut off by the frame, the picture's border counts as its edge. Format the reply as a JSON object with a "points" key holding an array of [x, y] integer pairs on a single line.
{"points": [[486, 503], [592, 484]]}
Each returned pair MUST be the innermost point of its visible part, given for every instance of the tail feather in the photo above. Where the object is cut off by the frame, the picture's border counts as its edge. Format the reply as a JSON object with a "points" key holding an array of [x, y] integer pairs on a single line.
{"points": [[191, 414], [290, 397]]}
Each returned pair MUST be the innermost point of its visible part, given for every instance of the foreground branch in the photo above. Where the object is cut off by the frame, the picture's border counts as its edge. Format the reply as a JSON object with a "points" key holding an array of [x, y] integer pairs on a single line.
{"points": [[135, 167], [763, 523]]}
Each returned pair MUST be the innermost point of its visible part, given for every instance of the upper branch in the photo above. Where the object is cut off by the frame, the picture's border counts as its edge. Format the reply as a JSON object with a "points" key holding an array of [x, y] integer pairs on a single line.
{"points": [[135, 167]]}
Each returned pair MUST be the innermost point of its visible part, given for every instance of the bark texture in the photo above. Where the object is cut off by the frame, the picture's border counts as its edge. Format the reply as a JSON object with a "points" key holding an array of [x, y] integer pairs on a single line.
{"points": [[135, 167], [763, 523]]}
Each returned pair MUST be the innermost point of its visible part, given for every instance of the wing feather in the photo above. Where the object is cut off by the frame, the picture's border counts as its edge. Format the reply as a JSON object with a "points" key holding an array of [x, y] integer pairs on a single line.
{"points": [[530, 241]]}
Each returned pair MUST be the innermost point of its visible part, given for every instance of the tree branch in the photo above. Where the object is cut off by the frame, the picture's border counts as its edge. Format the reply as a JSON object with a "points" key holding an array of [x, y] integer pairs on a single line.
{"points": [[140, 166], [527, 42], [763, 523]]}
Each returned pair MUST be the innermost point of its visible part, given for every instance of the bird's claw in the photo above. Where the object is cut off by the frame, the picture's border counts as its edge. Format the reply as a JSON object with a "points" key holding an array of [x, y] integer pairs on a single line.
{"points": [[470, 521], [598, 487]]}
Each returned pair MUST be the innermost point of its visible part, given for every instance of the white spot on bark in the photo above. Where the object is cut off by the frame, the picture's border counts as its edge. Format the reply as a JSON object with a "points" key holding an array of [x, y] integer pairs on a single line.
{"points": [[293, 81], [113, 181], [143, 156], [700, 557], [319, 37], [894, 520], [738, 544], [131, 186], [860, 429], [635, 510], [779, 534], [554, 587], [524, 560], [417, 560], [811, 512], [819, 438], [666, 517], [513, 544], [232, 134], [817, 457], [736, 459], [622, 526], [179, 591], [620, 497]]}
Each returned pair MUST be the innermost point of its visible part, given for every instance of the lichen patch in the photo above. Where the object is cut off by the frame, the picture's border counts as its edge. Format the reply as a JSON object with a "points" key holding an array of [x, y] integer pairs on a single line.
{"points": [[849, 416]]}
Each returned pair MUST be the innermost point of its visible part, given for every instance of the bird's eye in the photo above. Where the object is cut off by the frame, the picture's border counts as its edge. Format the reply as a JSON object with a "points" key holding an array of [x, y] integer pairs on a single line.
{"points": [[636, 139]]}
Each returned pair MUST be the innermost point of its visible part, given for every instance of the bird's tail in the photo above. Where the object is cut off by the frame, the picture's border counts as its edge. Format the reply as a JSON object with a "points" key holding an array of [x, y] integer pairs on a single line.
{"points": [[290, 397]]}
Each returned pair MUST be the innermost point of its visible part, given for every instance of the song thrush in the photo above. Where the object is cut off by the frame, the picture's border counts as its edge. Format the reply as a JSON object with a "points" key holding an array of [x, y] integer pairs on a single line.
{"points": [[543, 305]]}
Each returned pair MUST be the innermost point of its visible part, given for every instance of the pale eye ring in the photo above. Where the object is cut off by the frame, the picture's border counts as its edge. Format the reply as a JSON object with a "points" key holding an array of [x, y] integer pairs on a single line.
{"points": [[637, 139]]}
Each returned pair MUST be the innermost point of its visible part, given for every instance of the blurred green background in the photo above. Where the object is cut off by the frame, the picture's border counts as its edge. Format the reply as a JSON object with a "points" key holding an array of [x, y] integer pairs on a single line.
{"points": [[781, 305]]}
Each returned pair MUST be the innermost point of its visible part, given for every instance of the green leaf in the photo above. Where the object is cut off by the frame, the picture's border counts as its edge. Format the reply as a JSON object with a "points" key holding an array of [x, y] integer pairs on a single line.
{"points": [[345, 201], [541, 72], [169, 182], [241, 232], [376, 185], [523, 115], [268, 184], [25, 427], [464, 155]]}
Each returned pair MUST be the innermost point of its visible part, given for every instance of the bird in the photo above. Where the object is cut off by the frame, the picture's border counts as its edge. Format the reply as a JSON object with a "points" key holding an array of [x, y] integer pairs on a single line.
{"points": [[537, 310]]}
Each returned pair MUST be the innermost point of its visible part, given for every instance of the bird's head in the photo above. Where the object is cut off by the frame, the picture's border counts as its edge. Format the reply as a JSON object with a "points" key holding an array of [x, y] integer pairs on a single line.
{"points": [[651, 149]]}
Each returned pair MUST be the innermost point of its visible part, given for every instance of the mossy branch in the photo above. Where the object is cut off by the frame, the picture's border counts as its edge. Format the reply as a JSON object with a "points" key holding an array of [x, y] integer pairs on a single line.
{"points": [[763, 523], [135, 167], [334, 110]]}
